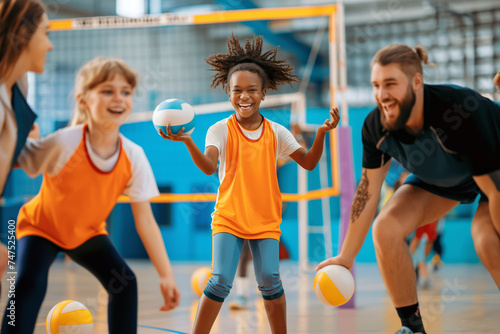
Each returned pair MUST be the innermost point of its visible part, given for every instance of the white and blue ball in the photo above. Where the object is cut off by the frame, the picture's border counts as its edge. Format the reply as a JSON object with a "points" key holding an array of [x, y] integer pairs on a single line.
{"points": [[179, 114]]}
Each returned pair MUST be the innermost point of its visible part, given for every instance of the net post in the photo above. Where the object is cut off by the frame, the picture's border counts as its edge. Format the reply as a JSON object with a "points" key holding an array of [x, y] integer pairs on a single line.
{"points": [[346, 161]]}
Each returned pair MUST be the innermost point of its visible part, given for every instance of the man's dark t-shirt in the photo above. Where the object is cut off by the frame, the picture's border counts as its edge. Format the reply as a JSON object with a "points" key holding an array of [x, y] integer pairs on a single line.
{"points": [[460, 139]]}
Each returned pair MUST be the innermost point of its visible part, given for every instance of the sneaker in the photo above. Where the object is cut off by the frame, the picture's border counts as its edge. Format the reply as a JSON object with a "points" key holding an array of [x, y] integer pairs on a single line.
{"points": [[426, 284], [240, 303], [436, 262], [406, 330]]}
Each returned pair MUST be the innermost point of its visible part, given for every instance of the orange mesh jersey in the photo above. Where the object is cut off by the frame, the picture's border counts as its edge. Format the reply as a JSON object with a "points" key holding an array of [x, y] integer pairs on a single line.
{"points": [[76, 196], [249, 199]]}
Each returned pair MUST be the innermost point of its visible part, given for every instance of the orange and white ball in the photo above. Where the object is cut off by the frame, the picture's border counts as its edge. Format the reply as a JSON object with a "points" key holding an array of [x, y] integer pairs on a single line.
{"points": [[69, 317], [199, 279], [334, 285]]}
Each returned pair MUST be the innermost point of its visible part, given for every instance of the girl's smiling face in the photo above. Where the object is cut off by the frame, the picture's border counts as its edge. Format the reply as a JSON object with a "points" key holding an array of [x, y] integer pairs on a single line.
{"points": [[110, 102], [246, 93]]}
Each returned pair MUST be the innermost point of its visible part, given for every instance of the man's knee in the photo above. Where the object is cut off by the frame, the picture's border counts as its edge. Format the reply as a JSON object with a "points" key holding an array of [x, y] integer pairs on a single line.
{"points": [[486, 245], [386, 230]]}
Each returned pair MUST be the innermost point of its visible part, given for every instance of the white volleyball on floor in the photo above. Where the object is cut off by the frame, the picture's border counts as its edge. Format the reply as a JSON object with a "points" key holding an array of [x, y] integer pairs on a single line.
{"points": [[69, 317], [334, 285], [178, 113]]}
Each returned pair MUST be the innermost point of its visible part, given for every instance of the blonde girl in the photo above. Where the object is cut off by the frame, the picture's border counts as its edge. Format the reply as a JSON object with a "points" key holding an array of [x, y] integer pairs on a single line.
{"points": [[86, 167]]}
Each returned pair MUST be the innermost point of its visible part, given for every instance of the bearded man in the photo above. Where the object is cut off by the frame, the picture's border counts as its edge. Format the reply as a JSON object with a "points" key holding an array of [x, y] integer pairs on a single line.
{"points": [[448, 137]]}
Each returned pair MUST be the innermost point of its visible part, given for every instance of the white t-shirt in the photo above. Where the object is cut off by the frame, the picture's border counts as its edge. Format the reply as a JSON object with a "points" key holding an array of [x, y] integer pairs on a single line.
{"points": [[217, 136]]}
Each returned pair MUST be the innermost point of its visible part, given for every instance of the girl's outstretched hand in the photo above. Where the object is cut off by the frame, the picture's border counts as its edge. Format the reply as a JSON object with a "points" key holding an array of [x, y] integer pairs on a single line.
{"points": [[331, 123], [179, 136], [170, 292]]}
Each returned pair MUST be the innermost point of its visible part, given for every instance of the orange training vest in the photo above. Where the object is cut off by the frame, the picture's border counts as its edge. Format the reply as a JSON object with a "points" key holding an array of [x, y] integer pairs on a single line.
{"points": [[249, 198], [73, 205]]}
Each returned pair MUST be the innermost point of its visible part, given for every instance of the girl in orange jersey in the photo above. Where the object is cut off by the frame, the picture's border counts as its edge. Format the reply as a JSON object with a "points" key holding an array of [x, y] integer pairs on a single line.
{"points": [[248, 205], [86, 167]]}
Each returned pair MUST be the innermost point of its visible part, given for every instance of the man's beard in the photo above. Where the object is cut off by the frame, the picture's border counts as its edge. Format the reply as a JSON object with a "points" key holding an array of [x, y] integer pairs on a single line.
{"points": [[405, 108]]}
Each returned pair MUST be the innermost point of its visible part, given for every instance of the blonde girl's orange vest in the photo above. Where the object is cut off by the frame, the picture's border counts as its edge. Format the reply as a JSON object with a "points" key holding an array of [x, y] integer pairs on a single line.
{"points": [[72, 205]]}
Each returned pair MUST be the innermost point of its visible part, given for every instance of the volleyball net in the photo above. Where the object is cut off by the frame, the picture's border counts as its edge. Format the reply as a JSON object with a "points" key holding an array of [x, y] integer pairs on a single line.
{"points": [[168, 51]]}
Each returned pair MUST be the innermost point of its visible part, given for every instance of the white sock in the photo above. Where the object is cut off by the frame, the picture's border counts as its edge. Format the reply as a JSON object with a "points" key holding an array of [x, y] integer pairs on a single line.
{"points": [[241, 286]]}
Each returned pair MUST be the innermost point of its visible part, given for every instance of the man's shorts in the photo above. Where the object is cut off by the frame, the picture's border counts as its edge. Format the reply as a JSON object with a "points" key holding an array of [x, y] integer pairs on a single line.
{"points": [[465, 193]]}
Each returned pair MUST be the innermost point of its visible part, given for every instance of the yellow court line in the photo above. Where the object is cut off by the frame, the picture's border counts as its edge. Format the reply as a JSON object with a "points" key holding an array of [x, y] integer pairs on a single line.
{"points": [[264, 14]]}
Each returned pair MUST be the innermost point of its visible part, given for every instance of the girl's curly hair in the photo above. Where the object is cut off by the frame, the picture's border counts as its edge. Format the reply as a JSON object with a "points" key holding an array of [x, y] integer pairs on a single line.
{"points": [[272, 72]]}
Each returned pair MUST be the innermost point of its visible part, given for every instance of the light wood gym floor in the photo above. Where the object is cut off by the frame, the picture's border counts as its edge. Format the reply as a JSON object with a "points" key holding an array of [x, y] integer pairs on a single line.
{"points": [[462, 299]]}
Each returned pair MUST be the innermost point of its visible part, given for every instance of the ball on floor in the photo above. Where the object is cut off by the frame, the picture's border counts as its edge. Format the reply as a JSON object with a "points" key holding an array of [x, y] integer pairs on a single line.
{"points": [[199, 279], [334, 285], [69, 317]]}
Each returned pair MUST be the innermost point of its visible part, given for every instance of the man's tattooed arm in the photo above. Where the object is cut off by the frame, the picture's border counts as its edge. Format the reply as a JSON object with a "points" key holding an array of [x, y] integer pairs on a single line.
{"points": [[361, 198]]}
